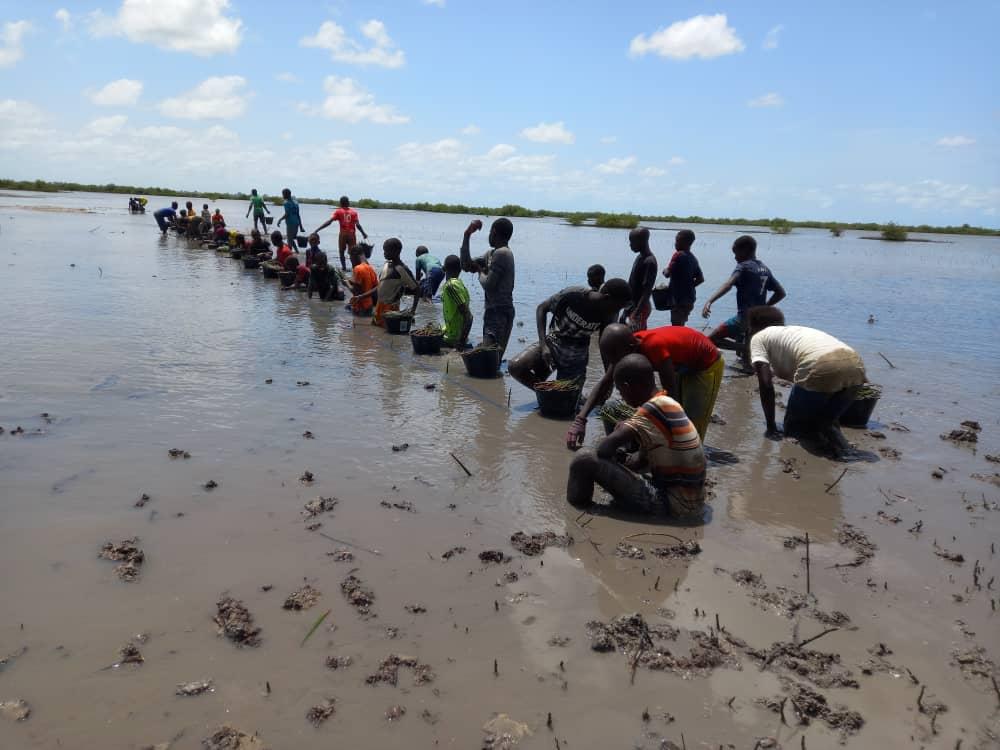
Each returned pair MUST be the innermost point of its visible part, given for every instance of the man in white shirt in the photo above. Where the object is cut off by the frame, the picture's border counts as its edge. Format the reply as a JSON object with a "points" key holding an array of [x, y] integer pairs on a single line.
{"points": [[825, 372]]}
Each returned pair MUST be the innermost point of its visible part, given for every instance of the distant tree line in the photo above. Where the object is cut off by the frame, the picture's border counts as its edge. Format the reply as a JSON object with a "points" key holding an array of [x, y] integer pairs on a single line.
{"points": [[777, 225]]}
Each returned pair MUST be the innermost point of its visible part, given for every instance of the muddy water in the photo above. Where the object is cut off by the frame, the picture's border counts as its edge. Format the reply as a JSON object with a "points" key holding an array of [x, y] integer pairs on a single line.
{"points": [[147, 344]]}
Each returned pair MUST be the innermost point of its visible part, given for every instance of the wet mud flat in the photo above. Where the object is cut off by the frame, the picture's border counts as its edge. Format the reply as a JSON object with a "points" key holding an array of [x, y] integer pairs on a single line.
{"points": [[436, 608]]}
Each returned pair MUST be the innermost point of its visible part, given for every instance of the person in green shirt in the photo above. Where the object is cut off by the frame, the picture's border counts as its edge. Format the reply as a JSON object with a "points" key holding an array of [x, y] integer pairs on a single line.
{"points": [[455, 304], [259, 208]]}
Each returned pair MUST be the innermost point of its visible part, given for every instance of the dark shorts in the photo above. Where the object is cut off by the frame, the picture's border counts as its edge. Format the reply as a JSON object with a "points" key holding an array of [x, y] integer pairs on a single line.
{"points": [[293, 232], [809, 412], [430, 283], [734, 328], [570, 359], [498, 322], [679, 314]]}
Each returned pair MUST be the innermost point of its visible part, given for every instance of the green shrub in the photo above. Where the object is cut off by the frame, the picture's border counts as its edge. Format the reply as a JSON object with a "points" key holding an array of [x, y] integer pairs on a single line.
{"points": [[617, 221], [780, 226], [893, 232]]}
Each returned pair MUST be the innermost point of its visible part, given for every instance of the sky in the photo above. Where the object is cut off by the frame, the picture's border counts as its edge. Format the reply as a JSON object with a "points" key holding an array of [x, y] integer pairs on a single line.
{"points": [[853, 111]]}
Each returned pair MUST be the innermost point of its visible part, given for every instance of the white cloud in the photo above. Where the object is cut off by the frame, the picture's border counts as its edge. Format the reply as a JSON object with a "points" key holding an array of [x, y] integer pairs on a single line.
{"points": [[11, 38], [447, 149], [676, 161], [220, 98], [106, 125], [196, 26], [121, 93], [349, 102], [332, 37], [771, 38], [653, 172], [501, 151], [609, 139], [617, 165], [548, 132], [767, 100], [64, 17], [20, 111], [287, 77], [702, 36], [934, 194], [951, 141], [470, 129]]}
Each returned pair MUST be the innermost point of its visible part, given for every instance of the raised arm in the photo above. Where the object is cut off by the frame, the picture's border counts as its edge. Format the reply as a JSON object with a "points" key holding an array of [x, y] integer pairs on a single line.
{"points": [[468, 265], [723, 290]]}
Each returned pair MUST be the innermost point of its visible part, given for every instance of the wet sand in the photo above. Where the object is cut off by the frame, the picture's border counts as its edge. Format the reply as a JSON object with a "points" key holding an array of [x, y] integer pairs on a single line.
{"points": [[183, 365]]}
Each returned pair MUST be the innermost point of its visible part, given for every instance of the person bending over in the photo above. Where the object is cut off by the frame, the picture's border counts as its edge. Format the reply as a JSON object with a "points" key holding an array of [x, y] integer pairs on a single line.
{"points": [[323, 280], [685, 275], [653, 461], [640, 280], [363, 283], [165, 217], [577, 313], [826, 375], [259, 246], [430, 274], [455, 305], [688, 363], [259, 208], [495, 270], [595, 276], [752, 280]]}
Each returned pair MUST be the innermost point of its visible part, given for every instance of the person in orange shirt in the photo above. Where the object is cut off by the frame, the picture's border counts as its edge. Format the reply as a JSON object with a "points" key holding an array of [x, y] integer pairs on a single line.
{"points": [[348, 219], [689, 364], [283, 252], [364, 284]]}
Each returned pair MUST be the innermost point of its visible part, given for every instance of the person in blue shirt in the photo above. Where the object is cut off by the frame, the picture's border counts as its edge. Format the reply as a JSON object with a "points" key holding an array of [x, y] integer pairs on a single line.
{"points": [[293, 222], [166, 216], [753, 280], [430, 274], [684, 275]]}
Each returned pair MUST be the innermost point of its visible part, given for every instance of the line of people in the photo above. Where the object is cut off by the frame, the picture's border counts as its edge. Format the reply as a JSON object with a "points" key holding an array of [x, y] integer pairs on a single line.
{"points": [[653, 455]]}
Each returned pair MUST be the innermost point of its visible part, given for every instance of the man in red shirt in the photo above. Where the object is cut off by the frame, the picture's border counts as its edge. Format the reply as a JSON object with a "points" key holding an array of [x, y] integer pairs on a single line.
{"points": [[689, 364], [348, 219]]}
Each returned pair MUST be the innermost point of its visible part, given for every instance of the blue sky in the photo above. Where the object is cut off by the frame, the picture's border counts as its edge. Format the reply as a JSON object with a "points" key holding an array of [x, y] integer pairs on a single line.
{"points": [[853, 111]]}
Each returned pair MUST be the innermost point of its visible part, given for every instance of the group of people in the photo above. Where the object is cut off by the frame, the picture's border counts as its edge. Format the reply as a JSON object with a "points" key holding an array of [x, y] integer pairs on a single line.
{"points": [[668, 377]]}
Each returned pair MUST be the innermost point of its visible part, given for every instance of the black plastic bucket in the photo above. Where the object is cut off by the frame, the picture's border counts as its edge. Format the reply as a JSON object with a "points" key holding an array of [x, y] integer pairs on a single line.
{"points": [[398, 324], [560, 404], [482, 363], [251, 261], [426, 344], [367, 247], [268, 220], [302, 240], [859, 413], [237, 252]]}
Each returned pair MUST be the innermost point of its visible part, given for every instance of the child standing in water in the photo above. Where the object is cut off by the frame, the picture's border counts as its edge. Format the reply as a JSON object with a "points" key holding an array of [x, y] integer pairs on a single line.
{"points": [[455, 305], [258, 207]]}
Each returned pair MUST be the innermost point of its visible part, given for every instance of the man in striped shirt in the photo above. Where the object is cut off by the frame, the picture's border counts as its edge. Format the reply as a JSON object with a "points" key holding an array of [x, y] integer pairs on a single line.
{"points": [[653, 461]]}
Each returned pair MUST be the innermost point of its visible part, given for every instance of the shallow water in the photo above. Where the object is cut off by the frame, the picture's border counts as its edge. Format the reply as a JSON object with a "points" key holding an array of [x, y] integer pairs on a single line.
{"points": [[147, 343]]}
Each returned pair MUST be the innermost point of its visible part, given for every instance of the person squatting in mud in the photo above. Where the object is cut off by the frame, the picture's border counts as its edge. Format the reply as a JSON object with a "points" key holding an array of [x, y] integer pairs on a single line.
{"points": [[658, 438]]}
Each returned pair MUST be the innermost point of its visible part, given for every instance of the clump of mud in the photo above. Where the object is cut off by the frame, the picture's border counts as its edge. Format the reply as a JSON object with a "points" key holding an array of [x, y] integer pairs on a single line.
{"points": [[509, 577], [890, 453], [388, 671], [628, 632], [415, 609], [974, 663], [395, 713], [360, 597], [236, 623], [130, 654], [321, 712], [807, 705], [493, 556], [178, 453], [993, 478], [341, 555], [319, 505], [399, 505], [682, 551], [784, 600], [338, 662], [210, 485], [303, 598], [197, 687], [535, 544], [503, 733], [629, 551], [955, 557], [964, 435], [820, 668], [307, 477], [16, 710], [854, 539], [128, 554], [452, 552], [230, 738]]}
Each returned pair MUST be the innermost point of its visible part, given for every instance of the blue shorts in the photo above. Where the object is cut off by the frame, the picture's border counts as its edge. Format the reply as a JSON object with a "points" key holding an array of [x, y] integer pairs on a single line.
{"points": [[734, 328], [430, 283]]}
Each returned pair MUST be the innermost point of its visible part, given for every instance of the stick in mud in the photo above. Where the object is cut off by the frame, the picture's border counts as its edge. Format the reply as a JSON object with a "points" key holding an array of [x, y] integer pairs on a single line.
{"points": [[350, 544], [469, 473], [887, 360], [830, 487], [808, 574]]}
